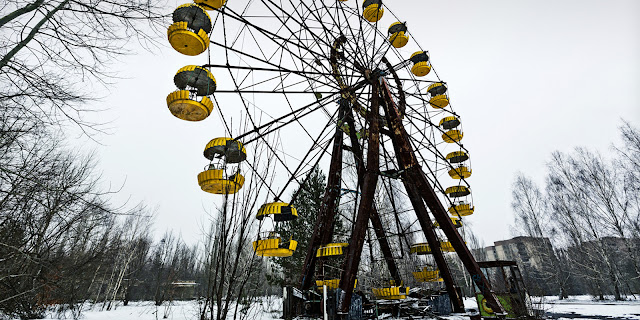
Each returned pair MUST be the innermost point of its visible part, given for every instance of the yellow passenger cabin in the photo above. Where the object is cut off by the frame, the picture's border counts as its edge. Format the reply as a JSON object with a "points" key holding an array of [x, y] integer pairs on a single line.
{"points": [[211, 4], [372, 10], [331, 249], [427, 275], [271, 244], [421, 65], [232, 151], [462, 209], [457, 157], [192, 82], [279, 211], [189, 33], [398, 34], [460, 172], [457, 191], [213, 180]]}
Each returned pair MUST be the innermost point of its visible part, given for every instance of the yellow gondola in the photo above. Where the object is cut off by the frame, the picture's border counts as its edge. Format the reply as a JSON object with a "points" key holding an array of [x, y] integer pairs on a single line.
{"points": [[391, 293], [437, 88], [211, 4], [213, 181], [184, 106], [280, 211], [448, 123], [439, 97], [331, 249], [457, 191], [446, 246], [192, 81], [462, 209], [273, 246], [421, 65], [195, 78], [426, 275], [372, 10], [423, 248], [189, 33], [420, 248], [439, 101], [456, 222], [452, 136], [232, 150], [457, 156], [460, 172], [397, 34], [331, 284]]}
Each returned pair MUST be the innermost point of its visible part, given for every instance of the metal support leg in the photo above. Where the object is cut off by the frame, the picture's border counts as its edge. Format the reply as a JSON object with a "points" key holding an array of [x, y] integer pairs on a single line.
{"points": [[434, 245], [356, 149], [352, 260], [413, 172], [323, 230]]}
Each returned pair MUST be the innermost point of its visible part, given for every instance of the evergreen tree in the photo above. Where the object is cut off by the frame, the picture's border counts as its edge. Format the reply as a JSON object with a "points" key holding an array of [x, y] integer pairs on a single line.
{"points": [[309, 197]]}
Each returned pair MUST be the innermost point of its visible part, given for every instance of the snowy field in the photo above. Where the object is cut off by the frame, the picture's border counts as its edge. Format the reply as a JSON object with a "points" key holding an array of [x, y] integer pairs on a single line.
{"points": [[578, 307], [584, 307]]}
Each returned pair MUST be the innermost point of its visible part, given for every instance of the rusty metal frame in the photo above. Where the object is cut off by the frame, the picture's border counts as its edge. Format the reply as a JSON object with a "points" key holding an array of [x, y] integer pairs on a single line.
{"points": [[416, 177], [323, 230], [369, 183], [376, 222]]}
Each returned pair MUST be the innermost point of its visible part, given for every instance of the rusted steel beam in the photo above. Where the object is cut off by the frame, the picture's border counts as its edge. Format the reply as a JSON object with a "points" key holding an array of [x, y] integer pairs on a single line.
{"points": [[323, 230], [408, 162], [434, 243], [356, 150], [369, 182]]}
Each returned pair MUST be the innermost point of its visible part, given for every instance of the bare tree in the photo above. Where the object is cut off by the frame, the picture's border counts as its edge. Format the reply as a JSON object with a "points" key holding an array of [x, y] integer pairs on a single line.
{"points": [[533, 219], [576, 207], [629, 163], [50, 207], [51, 50]]}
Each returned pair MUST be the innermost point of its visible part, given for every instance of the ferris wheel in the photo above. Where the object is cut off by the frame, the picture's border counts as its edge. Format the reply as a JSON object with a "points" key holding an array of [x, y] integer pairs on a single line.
{"points": [[339, 84]]}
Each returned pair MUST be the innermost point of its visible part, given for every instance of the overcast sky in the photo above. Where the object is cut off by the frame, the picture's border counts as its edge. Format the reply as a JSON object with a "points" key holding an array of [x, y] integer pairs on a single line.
{"points": [[528, 77]]}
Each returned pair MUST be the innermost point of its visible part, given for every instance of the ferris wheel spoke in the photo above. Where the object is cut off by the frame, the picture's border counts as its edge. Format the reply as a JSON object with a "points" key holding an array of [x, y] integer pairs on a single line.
{"points": [[355, 48], [293, 176], [303, 24], [272, 37], [319, 155], [268, 34], [370, 63], [316, 55], [307, 108], [360, 39], [418, 80], [335, 23]]}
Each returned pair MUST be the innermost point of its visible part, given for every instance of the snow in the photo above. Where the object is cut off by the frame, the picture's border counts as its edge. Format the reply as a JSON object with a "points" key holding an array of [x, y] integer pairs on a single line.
{"points": [[587, 307], [266, 309], [576, 307]]}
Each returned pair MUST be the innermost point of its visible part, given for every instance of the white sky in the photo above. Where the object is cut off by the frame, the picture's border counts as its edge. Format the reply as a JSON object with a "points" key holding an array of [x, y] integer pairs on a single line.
{"points": [[528, 78]]}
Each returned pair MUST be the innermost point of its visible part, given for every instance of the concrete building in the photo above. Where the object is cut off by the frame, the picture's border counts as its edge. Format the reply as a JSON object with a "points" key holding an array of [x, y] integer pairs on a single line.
{"points": [[530, 253]]}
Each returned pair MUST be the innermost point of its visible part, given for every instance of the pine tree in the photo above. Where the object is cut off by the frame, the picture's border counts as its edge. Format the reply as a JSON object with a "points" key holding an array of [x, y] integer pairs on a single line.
{"points": [[307, 202]]}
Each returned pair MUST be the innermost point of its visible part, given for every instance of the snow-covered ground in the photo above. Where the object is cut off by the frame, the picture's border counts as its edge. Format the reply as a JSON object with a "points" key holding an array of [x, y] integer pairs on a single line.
{"points": [[268, 309], [585, 307], [577, 307]]}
